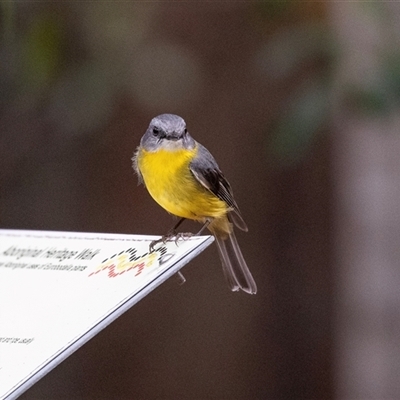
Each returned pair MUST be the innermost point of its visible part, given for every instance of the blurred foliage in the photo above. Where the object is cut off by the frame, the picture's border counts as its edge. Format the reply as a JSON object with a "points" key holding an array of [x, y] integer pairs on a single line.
{"points": [[42, 50], [81, 100], [305, 111], [274, 9], [373, 98], [304, 116], [366, 100], [7, 13], [290, 49], [7, 51], [376, 8], [296, 52], [299, 52], [392, 75]]}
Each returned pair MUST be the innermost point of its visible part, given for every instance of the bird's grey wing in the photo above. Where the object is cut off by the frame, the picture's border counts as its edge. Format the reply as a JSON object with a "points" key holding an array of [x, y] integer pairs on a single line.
{"points": [[205, 169]]}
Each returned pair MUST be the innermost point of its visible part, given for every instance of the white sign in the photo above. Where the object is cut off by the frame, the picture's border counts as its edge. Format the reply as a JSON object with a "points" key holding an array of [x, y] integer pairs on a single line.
{"points": [[59, 289]]}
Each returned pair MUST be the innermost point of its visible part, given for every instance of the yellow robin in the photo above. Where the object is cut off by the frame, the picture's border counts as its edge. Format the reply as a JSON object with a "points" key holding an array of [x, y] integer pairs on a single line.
{"points": [[183, 177]]}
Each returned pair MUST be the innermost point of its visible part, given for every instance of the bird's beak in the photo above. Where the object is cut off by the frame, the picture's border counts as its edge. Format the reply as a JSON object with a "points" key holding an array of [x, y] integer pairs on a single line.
{"points": [[175, 136]]}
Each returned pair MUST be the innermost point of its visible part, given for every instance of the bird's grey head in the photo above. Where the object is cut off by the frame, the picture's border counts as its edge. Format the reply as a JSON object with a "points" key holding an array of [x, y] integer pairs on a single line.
{"points": [[168, 132]]}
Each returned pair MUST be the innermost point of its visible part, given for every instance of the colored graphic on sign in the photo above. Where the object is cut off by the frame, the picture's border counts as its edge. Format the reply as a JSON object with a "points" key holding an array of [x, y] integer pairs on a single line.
{"points": [[128, 260]]}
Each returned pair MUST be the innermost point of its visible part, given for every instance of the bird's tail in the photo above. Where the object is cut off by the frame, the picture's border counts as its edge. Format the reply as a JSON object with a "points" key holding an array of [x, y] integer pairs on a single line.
{"points": [[234, 266]]}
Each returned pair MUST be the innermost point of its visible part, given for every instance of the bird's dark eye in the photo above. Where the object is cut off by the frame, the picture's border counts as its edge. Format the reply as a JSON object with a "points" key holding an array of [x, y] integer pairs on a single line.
{"points": [[185, 130], [156, 131]]}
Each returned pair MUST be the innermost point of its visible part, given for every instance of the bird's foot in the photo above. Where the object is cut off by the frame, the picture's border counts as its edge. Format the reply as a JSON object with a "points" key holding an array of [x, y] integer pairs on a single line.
{"points": [[182, 236], [172, 236]]}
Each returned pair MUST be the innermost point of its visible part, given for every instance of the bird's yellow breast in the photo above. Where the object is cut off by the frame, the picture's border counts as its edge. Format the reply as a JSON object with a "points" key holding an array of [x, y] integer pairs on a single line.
{"points": [[167, 176]]}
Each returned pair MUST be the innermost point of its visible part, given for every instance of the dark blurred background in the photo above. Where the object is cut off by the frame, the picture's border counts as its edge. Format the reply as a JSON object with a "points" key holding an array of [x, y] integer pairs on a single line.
{"points": [[299, 103]]}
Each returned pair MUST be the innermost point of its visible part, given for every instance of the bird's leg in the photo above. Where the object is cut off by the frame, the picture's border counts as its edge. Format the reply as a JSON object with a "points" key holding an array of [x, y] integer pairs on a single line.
{"points": [[186, 235], [165, 238], [208, 222], [172, 231], [178, 235], [172, 234]]}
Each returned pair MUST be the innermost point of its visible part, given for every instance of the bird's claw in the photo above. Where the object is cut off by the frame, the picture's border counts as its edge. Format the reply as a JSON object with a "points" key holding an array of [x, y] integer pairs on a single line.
{"points": [[183, 236], [170, 237], [154, 243]]}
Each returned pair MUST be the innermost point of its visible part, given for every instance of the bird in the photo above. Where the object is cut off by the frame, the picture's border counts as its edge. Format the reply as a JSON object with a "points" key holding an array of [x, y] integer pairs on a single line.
{"points": [[183, 177]]}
